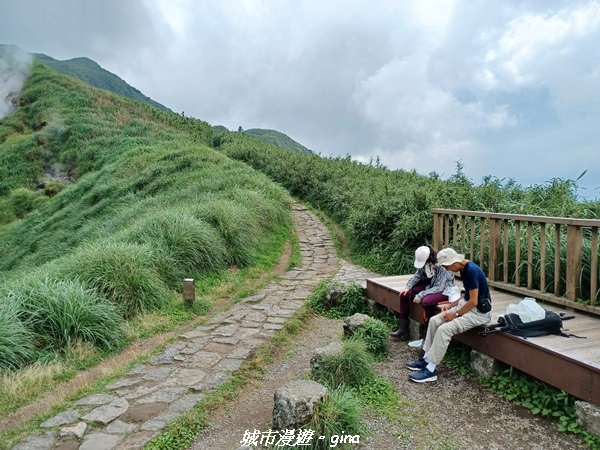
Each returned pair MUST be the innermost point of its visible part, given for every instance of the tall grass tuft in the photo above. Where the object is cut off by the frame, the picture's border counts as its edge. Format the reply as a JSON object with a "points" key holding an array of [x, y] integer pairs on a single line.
{"points": [[125, 273], [268, 212], [184, 245], [352, 367], [237, 225], [16, 347], [374, 333], [61, 313], [337, 418], [337, 300]]}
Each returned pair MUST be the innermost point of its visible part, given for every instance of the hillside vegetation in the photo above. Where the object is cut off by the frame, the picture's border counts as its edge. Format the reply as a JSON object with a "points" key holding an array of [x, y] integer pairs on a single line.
{"points": [[387, 214], [92, 73], [105, 205], [277, 139]]}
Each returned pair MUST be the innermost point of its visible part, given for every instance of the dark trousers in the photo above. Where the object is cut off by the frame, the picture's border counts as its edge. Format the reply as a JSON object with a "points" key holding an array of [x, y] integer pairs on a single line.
{"points": [[429, 302]]}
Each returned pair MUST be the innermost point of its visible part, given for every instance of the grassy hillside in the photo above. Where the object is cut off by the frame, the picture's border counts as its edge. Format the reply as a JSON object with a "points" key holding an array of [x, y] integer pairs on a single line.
{"points": [[277, 139], [387, 214], [105, 205], [89, 71], [272, 137]]}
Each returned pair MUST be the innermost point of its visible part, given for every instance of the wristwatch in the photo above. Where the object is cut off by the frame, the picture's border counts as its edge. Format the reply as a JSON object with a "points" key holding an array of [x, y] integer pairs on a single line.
{"points": [[457, 314]]}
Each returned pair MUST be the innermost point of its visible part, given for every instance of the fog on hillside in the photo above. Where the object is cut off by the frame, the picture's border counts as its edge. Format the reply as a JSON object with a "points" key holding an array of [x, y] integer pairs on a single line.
{"points": [[14, 69]]}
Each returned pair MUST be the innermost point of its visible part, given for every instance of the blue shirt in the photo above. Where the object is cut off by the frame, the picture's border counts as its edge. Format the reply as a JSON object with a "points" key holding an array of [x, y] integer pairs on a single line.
{"points": [[474, 278]]}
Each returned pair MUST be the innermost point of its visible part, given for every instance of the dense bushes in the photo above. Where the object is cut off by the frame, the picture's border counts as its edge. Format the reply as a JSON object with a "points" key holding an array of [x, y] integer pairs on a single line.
{"points": [[183, 244], [41, 316], [387, 214], [16, 344], [123, 273]]}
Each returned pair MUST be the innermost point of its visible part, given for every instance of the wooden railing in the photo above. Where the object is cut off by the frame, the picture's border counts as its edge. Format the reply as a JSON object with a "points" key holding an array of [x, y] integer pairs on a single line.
{"points": [[553, 259]]}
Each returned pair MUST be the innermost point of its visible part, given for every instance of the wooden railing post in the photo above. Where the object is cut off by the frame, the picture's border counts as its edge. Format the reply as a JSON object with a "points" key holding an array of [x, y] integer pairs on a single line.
{"points": [[557, 259], [574, 255], [494, 250], [594, 267], [437, 231]]}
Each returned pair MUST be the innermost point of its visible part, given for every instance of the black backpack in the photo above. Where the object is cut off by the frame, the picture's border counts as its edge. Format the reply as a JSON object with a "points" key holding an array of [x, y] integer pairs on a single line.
{"points": [[512, 323]]}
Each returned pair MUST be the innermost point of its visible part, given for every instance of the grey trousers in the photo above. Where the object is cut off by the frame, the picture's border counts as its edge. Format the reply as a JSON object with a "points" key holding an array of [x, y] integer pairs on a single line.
{"points": [[440, 332]]}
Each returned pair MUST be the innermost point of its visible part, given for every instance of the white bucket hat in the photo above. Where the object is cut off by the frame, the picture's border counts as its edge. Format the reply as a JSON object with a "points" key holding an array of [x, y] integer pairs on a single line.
{"points": [[449, 256], [421, 256]]}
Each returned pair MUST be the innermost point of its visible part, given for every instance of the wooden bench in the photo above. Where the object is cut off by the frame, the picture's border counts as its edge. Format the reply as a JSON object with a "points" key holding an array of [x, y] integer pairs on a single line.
{"points": [[386, 292], [572, 365]]}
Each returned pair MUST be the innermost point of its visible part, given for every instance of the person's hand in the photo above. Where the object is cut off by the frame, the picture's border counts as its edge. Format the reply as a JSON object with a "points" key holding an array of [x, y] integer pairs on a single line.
{"points": [[449, 316], [405, 291], [416, 300], [446, 307]]}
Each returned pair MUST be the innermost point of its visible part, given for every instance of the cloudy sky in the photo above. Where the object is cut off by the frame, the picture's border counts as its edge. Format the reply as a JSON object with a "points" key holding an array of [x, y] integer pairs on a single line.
{"points": [[510, 88]]}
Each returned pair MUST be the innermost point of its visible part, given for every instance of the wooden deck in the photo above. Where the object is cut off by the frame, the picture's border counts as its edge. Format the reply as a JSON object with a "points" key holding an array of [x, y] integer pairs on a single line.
{"points": [[570, 364]]}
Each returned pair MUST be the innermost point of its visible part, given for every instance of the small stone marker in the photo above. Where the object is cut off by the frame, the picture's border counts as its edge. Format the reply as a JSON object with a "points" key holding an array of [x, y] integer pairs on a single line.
{"points": [[189, 291]]}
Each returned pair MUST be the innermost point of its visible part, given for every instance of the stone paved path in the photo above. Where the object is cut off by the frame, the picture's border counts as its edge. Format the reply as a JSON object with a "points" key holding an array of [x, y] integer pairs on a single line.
{"points": [[136, 408]]}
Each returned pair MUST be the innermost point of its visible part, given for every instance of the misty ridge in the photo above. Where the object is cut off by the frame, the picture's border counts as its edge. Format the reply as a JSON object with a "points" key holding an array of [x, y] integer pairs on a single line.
{"points": [[15, 67]]}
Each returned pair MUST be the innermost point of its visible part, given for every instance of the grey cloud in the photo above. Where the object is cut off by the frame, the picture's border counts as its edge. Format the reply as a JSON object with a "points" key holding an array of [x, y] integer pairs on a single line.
{"points": [[101, 30]]}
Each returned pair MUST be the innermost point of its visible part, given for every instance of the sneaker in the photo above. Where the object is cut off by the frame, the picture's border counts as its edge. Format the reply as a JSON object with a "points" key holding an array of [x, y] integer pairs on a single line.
{"points": [[419, 364], [423, 376]]}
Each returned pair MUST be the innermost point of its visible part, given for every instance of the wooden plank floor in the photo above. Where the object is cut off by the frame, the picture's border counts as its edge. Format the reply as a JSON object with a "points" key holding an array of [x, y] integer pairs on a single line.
{"points": [[570, 364]]}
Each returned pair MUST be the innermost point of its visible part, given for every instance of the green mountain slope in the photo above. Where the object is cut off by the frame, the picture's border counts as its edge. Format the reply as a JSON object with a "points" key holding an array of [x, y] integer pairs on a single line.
{"points": [[89, 71], [273, 137], [277, 139], [114, 201]]}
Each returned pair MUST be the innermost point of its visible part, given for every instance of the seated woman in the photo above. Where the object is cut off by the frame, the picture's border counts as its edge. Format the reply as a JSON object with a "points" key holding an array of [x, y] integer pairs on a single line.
{"points": [[426, 287]]}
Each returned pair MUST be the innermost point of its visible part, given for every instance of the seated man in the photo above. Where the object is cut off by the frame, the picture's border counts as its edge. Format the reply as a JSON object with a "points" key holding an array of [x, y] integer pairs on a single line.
{"points": [[471, 311]]}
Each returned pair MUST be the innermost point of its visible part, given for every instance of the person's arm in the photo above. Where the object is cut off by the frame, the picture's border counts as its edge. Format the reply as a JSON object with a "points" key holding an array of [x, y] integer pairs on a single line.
{"points": [[471, 303], [414, 280], [465, 308], [442, 279]]}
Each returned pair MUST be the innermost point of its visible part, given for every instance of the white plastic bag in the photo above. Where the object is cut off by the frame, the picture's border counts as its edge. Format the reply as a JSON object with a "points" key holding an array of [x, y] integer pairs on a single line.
{"points": [[415, 344], [453, 293], [527, 310]]}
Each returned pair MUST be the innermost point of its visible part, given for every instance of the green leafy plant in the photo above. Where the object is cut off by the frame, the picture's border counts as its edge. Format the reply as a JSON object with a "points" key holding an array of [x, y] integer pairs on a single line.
{"points": [[379, 395], [337, 416], [16, 344], [58, 313], [352, 367], [374, 333], [336, 300]]}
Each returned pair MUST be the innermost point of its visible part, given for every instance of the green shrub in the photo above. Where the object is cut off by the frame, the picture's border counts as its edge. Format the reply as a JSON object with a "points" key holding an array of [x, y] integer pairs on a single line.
{"points": [[59, 313], [53, 187], [21, 201], [237, 225], [338, 300], [337, 419], [350, 368], [184, 245], [387, 214], [15, 341], [374, 333], [124, 273], [380, 396]]}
